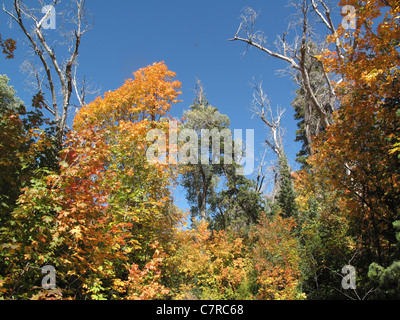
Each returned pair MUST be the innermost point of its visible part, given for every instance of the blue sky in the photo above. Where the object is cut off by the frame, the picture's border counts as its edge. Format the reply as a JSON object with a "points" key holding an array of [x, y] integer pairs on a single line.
{"points": [[191, 37]]}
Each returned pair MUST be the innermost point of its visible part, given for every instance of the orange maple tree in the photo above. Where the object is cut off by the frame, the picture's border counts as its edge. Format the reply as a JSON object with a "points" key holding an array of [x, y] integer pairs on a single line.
{"points": [[107, 213], [357, 148]]}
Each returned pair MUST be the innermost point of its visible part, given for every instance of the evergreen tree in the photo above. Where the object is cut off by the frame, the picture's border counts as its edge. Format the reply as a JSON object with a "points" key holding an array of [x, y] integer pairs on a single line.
{"points": [[387, 280], [286, 196], [299, 106]]}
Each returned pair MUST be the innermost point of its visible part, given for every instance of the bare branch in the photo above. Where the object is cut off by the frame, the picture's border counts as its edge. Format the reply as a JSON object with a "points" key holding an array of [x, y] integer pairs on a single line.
{"points": [[257, 39], [262, 109], [327, 20], [64, 71], [38, 51], [300, 55], [46, 16]]}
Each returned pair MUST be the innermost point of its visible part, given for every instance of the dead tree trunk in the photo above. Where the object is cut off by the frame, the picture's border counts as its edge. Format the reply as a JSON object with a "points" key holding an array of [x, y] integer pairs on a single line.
{"points": [[298, 55]]}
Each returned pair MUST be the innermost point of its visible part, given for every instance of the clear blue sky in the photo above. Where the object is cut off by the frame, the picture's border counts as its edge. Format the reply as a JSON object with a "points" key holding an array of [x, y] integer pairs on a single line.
{"points": [[191, 37]]}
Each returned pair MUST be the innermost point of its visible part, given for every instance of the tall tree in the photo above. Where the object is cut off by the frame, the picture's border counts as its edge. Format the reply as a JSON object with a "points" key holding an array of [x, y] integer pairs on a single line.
{"points": [[357, 147], [283, 193], [309, 122], [201, 178], [300, 56]]}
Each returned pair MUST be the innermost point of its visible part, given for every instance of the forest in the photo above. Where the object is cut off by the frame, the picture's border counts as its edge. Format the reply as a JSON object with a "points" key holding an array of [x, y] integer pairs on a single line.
{"points": [[87, 206]]}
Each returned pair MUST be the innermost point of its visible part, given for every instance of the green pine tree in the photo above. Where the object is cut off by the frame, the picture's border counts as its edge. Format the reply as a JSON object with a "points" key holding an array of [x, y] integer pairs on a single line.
{"points": [[387, 280], [286, 197]]}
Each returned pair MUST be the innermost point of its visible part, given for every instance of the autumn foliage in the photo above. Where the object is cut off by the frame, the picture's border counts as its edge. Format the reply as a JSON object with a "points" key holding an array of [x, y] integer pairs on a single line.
{"points": [[104, 215], [355, 158], [210, 265], [99, 218], [277, 259], [8, 46]]}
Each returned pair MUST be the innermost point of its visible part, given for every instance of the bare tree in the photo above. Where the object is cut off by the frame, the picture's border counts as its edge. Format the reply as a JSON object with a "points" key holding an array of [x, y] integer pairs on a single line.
{"points": [[60, 74], [260, 180], [261, 108], [300, 55]]}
